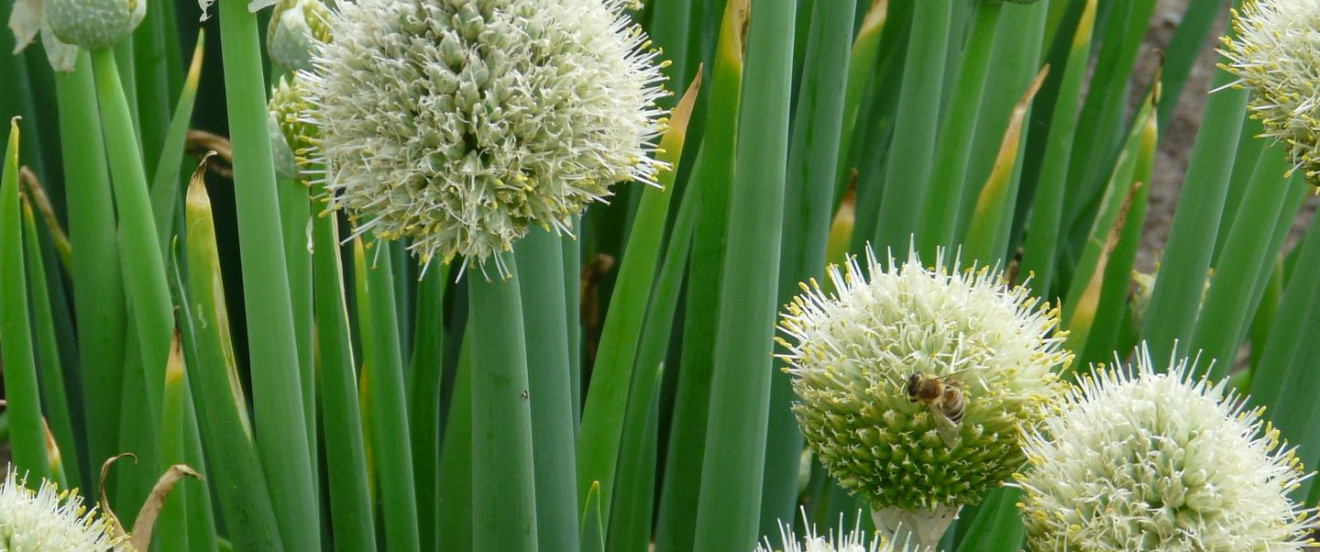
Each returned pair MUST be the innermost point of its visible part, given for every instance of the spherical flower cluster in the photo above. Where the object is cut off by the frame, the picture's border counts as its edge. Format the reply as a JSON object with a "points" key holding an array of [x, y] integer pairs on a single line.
{"points": [[294, 25], [1274, 55], [94, 24], [1141, 461], [855, 353], [838, 540], [460, 123], [50, 520]]}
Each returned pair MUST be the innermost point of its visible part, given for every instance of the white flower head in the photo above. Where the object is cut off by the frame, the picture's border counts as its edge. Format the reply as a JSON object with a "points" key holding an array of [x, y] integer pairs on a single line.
{"points": [[458, 124], [853, 352], [50, 520], [837, 540], [1143, 461], [1274, 55]]}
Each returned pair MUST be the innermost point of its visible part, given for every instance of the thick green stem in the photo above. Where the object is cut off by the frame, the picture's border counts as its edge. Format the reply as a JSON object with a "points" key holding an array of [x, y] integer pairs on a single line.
{"points": [[541, 262], [503, 481]]}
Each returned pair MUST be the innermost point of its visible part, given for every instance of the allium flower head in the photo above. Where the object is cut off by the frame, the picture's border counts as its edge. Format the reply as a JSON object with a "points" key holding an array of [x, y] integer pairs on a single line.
{"points": [[1140, 461], [1275, 56], [852, 353], [460, 123], [50, 520]]}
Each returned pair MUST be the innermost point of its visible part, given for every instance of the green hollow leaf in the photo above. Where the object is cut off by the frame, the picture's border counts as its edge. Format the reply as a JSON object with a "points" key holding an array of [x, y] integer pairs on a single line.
{"points": [[1173, 303], [27, 437], [861, 67], [1042, 241], [982, 243], [607, 398], [593, 536], [98, 288], [997, 526], [424, 380], [728, 511], [277, 387], [455, 494], [1245, 258], [171, 529], [676, 526], [56, 401], [911, 155], [808, 202], [352, 520], [386, 410], [940, 210], [144, 268], [165, 181], [226, 431], [1112, 315]]}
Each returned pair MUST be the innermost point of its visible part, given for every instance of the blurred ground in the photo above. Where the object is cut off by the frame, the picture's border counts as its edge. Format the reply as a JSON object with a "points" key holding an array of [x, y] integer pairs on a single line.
{"points": [[1176, 145]]}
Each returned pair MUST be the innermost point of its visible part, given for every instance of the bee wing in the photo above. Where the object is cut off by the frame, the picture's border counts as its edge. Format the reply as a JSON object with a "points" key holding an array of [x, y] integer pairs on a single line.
{"points": [[947, 428]]}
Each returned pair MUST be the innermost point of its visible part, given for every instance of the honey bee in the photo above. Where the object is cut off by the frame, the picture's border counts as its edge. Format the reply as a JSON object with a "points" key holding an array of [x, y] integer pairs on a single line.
{"points": [[944, 399]]}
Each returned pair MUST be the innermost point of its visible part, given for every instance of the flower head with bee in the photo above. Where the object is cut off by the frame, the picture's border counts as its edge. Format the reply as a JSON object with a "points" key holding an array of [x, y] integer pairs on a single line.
{"points": [[914, 384]]}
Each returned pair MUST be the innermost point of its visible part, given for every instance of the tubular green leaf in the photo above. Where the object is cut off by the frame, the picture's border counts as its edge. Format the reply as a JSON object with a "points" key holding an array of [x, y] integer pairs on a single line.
{"points": [[98, 287], [387, 405], [227, 433], [603, 415], [277, 389], [728, 510], [58, 414], [351, 517], [907, 172], [676, 526], [27, 437]]}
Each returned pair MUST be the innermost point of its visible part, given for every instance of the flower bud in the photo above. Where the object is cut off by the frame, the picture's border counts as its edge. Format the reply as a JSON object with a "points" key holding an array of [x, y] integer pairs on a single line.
{"points": [[94, 24], [294, 26], [290, 133]]}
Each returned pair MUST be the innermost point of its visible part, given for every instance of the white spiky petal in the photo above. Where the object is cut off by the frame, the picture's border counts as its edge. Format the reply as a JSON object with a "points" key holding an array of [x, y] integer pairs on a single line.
{"points": [[50, 520], [1144, 461], [460, 123], [837, 540], [851, 352], [1274, 54]]}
